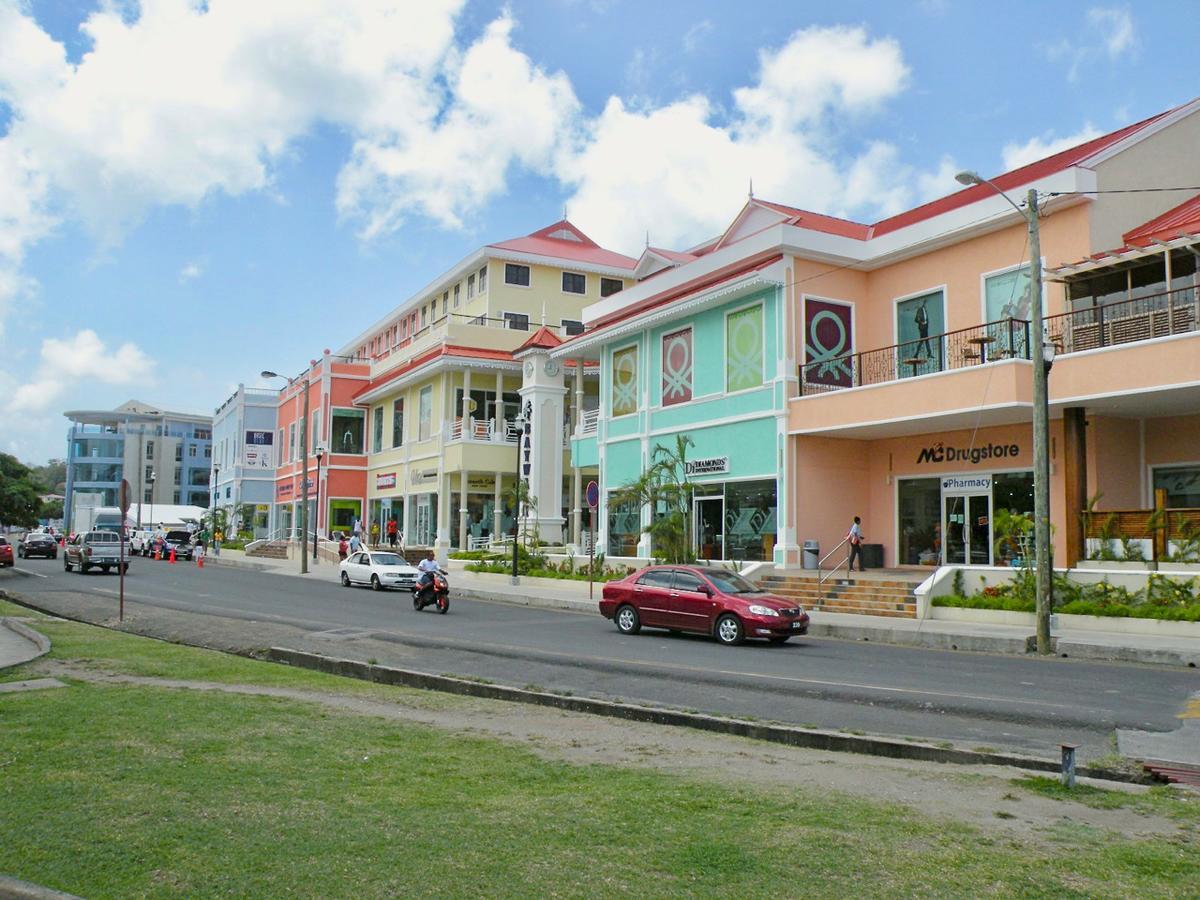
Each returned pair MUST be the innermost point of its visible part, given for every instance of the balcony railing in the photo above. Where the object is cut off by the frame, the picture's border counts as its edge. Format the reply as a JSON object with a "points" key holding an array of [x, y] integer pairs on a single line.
{"points": [[589, 421], [483, 431], [1002, 339], [1126, 321]]}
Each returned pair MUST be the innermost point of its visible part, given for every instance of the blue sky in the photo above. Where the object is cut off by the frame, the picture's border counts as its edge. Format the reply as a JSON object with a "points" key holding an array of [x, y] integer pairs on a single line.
{"points": [[190, 194]]}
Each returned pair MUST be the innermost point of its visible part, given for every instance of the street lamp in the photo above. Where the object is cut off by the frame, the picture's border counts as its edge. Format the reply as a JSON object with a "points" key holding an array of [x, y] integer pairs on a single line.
{"points": [[216, 493], [317, 512], [1043, 357], [304, 477], [153, 477]]}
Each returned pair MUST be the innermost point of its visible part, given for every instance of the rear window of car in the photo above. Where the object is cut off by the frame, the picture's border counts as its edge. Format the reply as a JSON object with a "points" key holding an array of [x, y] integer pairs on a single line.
{"points": [[387, 559], [179, 536], [685, 581], [656, 578], [3, 542], [103, 537]]}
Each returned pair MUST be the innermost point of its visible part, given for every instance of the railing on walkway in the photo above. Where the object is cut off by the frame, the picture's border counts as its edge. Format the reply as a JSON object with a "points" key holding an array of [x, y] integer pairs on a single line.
{"points": [[1002, 339], [820, 562], [1125, 321]]}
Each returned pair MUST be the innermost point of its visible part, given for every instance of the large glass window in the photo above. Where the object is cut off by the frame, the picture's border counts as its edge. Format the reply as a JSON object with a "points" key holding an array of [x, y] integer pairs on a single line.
{"points": [[751, 520], [377, 429], [610, 286], [920, 322], [89, 472], [574, 283], [744, 349], [920, 521], [106, 447], [397, 422], [625, 381], [1007, 295], [677, 367], [624, 528], [347, 428], [518, 275], [342, 514], [1182, 484], [483, 279], [425, 413]]}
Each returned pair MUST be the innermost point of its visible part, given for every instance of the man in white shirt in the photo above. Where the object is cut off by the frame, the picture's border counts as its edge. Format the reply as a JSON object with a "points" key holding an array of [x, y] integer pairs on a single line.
{"points": [[855, 537], [427, 567]]}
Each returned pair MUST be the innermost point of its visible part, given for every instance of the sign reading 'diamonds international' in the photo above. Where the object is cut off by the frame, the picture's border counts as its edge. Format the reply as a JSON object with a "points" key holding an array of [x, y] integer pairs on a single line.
{"points": [[712, 465], [258, 451], [940, 453], [385, 480]]}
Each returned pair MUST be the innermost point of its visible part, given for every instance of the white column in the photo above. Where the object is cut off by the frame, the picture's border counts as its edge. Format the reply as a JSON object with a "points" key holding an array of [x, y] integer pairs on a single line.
{"points": [[577, 487], [466, 417], [497, 509], [542, 388]]}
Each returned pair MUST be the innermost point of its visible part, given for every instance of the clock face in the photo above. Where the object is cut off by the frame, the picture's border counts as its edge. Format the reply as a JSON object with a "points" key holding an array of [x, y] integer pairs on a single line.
{"points": [[551, 367], [529, 367]]}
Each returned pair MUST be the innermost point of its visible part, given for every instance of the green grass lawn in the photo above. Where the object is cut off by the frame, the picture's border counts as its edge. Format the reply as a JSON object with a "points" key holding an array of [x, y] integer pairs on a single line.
{"points": [[118, 790]]}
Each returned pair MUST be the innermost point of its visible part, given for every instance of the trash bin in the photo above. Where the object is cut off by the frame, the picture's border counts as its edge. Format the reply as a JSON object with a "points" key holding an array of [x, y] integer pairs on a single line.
{"points": [[872, 556], [812, 554]]}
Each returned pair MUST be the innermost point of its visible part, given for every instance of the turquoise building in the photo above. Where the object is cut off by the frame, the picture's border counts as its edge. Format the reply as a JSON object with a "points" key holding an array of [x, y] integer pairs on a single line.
{"points": [[704, 358]]}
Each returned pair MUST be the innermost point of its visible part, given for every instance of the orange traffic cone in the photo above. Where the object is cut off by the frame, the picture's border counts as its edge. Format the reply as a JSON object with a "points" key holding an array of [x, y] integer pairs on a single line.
{"points": [[157, 554], [200, 561], [172, 559]]}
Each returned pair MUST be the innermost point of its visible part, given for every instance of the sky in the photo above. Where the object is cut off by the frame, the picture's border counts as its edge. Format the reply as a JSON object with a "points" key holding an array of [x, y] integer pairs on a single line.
{"points": [[192, 192]]}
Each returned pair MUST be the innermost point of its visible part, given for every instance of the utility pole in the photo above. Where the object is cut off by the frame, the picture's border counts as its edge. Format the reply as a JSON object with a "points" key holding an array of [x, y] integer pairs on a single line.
{"points": [[1041, 432]]}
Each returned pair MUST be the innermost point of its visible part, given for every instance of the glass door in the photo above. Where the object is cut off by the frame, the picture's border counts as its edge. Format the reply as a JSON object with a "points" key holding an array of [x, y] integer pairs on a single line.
{"points": [[708, 527], [424, 521], [968, 529]]}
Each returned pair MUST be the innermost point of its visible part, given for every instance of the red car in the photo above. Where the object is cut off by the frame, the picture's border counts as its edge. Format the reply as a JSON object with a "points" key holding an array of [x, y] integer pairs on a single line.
{"points": [[703, 600], [6, 553]]}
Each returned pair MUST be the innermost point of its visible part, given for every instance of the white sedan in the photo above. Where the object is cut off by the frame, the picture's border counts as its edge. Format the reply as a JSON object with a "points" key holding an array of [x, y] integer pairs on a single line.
{"points": [[380, 570]]}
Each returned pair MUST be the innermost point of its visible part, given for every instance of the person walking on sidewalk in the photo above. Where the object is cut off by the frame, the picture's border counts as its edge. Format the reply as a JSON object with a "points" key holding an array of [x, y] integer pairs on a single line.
{"points": [[343, 547], [392, 532], [855, 537], [355, 543], [374, 534]]}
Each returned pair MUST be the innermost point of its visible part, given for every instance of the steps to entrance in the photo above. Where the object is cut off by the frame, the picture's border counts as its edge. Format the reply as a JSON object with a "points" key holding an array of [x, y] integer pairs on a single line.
{"points": [[269, 551], [892, 596]]}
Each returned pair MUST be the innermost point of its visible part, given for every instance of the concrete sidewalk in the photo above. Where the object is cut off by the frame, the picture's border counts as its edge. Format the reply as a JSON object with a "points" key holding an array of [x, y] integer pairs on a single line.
{"points": [[19, 643], [930, 633]]}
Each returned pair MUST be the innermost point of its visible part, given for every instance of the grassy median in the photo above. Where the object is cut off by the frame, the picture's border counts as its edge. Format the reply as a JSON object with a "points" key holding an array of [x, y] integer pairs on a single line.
{"points": [[113, 790]]}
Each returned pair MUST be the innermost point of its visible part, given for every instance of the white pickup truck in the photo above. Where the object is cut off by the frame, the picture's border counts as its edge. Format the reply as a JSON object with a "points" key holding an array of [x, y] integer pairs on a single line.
{"points": [[140, 542]]}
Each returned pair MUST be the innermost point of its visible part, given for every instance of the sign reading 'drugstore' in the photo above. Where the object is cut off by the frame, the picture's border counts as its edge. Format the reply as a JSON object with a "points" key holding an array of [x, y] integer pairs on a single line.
{"points": [[712, 465], [943, 453]]}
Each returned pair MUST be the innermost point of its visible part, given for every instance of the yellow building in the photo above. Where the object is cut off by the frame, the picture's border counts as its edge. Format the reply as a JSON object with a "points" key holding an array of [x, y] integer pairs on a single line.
{"points": [[444, 389]]}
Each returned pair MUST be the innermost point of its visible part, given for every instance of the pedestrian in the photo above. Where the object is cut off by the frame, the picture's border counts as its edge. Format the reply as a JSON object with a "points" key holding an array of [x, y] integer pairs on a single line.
{"points": [[855, 537], [355, 543], [218, 536], [374, 534], [393, 532], [343, 547], [357, 527]]}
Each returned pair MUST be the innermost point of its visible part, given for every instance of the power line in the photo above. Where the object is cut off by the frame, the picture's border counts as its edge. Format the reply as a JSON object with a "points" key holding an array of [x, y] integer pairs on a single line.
{"points": [[1147, 190]]}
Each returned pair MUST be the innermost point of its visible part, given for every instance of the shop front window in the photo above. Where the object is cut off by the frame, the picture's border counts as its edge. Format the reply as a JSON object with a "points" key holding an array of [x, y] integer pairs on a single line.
{"points": [[920, 502], [751, 516], [347, 430], [342, 514], [1182, 484], [624, 528]]}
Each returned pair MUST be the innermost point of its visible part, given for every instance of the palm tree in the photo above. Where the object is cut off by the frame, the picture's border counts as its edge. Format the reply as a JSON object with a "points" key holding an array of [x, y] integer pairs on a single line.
{"points": [[665, 489], [522, 502]]}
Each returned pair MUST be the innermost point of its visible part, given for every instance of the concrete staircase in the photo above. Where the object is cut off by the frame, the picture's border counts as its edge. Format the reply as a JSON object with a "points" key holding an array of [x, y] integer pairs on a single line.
{"points": [[269, 550], [890, 595]]}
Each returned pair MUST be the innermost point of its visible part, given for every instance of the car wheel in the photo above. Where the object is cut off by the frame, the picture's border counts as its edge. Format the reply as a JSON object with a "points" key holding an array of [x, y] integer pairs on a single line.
{"points": [[125, 569], [375, 585], [729, 630], [778, 641], [83, 567], [345, 580], [627, 620], [54, 556], [66, 564]]}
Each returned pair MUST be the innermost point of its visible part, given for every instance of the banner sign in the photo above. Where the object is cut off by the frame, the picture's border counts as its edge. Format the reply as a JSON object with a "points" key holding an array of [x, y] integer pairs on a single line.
{"points": [[385, 480], [713, 465], [259, 450], [828, 338]]}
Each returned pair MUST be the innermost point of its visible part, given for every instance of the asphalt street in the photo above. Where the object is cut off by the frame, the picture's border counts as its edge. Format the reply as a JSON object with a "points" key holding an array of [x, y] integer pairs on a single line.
{"points": [[975, 700]]}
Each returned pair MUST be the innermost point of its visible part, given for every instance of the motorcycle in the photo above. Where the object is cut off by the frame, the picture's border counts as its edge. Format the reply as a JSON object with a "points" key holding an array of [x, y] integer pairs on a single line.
{"points": [[432, 591]]}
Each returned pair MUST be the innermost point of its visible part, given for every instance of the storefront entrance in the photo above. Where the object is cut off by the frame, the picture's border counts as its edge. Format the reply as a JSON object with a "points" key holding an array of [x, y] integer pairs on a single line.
{"points": [[707, 525], [423, 533], [967, 525]]}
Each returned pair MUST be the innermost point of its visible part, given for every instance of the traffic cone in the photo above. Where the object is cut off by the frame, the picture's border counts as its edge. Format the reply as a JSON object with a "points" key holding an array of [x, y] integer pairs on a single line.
{"points": [[172, 559], [157, 554], [200, 561]]}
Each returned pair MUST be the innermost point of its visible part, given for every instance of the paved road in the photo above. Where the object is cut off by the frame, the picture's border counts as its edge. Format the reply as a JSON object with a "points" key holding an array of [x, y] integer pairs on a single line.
{"points": [[1025, 703]]}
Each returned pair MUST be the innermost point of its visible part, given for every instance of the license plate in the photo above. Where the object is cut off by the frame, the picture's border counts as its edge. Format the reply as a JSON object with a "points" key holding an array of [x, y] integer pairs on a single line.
{"points": [[797, 625]]}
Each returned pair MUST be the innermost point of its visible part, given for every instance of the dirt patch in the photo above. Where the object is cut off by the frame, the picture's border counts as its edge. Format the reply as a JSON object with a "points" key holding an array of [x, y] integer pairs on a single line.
{"points": [[982, 796]]}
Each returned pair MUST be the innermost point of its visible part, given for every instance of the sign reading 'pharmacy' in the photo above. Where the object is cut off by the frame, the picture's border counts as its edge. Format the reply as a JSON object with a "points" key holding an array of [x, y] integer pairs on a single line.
{"points": [[713, 465]]}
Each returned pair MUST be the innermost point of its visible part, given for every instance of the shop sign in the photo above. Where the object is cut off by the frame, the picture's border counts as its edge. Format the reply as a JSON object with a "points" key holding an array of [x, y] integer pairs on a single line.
{"points": [[262, 507], [481, 482], [258, 450], [420, 475], [283, 491], [969, 484], [944, 453], [712, 465], [385, 480]]}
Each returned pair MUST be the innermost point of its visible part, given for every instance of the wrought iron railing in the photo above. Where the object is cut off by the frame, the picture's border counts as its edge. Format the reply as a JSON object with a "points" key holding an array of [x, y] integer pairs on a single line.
{"points": [[1125, 321], [1002, 339]]}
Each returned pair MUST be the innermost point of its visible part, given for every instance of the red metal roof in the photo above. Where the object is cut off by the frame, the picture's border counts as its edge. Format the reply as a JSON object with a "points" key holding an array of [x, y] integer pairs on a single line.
{"points": [[1181, 219], [673, 255], [542, 339], [562, 240], [431, 354]]}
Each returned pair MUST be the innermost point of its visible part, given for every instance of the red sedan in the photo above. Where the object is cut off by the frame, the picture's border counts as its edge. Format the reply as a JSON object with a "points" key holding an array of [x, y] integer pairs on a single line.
{"points": [[6, 552], [703, 600]]}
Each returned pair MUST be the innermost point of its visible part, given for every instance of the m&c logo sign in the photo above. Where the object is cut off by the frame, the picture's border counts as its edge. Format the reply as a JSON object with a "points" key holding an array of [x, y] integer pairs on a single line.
{"points": [[942, 453]]}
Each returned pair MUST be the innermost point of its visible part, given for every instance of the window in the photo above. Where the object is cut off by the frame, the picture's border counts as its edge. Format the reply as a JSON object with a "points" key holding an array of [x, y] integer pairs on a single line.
{"points": [[291, 442], [574, 283], [625, 381], [457, 287], [314, 431], [1006, 296], [149, 496], [624, 527], [656, 578], [178, 476], [516, 321], [208, 452], [202, 434], [149, 449], [282, 447], [572, 327], [518, 275], [610, 286], [446, 302], [377, 429], [744, 349], [192, 450], [424, 413], [483, 279], [175, 498], [347, 430], [677, 367], [686, 581], [148, 474], [179, 453], [920, 324], [397, 422], [470, 288], [423, 315], [1182, 484]]}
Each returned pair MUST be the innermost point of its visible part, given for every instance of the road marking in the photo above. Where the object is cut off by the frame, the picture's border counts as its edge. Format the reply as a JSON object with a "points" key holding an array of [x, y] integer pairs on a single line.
{"points": [[31, 572], [1192, 709]]}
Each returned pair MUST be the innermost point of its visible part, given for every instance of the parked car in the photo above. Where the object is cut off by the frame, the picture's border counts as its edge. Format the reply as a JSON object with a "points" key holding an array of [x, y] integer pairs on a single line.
{"points": [[6, 552], [38, 543], [141, 541], [381, 571], [701, 599], [180, 542], [100, 549]]}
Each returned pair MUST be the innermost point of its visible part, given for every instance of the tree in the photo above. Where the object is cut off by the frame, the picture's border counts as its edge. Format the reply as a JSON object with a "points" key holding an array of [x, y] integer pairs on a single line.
{"points": [[52, 477], [665, 489], [524, 505], [19, 493]]}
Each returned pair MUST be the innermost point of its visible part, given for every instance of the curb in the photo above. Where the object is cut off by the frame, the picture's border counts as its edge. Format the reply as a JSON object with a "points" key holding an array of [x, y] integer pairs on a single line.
{"points": [[811, 738], [25, 890], [36, 638]]}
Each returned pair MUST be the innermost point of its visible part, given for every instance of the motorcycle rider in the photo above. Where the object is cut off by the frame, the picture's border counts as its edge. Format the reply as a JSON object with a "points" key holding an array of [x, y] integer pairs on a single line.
{"points": [[427, 567]]}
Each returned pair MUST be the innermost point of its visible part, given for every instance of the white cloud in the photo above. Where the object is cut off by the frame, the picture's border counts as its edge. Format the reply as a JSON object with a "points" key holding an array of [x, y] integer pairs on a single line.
{"points": [[82, 361], [694, 36], [1115, 26], [1040, 146], [190, 272], [1108, 32]]}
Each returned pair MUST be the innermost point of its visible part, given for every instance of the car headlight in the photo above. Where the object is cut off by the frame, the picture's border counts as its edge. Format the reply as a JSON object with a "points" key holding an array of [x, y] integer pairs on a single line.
{"points": [[763, 610]]}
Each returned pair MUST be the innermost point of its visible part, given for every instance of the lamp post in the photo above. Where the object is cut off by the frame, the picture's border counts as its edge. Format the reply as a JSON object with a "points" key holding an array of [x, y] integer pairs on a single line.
{"points": [[1042, 357], [317, 512], [216, 493], [153, 477], [520, 423], [304, 476]]}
